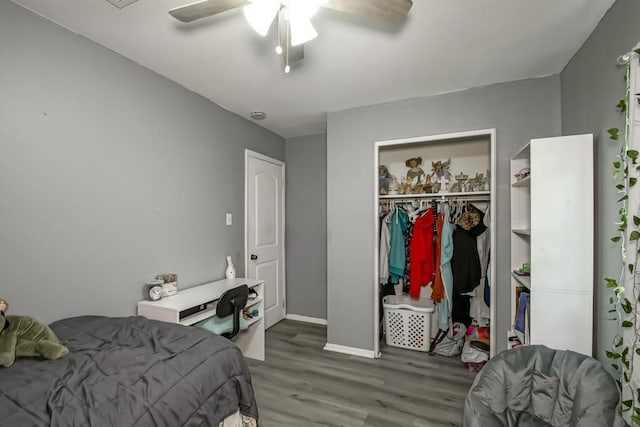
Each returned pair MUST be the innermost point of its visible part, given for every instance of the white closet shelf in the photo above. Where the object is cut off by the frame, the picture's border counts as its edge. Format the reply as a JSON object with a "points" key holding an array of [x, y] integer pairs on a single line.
{"points": [[524, 182], [521, 231], [436, 195], [523, 280]]}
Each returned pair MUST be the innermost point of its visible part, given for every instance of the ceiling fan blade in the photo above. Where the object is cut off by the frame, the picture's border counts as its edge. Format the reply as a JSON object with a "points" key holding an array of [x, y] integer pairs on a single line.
{"points": [[384, 10], [202, 9]]}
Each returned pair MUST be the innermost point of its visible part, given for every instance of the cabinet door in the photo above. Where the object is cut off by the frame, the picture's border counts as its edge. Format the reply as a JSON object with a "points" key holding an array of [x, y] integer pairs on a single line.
{"points": [[562, 320], [562, 213]]}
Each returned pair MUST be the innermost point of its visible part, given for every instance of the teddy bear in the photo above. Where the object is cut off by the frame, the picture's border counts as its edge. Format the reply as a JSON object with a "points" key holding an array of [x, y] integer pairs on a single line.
{"points": [[24, 336]]}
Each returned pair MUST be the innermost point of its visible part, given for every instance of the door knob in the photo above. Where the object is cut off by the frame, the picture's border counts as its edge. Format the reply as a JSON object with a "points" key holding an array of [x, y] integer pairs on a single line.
{"points": [[254, 257]]}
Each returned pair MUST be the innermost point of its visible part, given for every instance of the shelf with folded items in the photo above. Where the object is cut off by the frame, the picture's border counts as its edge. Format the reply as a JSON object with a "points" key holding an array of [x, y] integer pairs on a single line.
{"points": [[522, 279]]}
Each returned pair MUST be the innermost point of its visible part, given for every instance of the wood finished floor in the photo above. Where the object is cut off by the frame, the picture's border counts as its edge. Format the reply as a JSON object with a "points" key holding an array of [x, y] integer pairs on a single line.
{"points": [[299, 384]]}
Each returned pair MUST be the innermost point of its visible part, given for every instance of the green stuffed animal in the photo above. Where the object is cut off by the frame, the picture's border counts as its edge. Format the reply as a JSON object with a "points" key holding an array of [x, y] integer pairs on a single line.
{"points": [[24, 336]]}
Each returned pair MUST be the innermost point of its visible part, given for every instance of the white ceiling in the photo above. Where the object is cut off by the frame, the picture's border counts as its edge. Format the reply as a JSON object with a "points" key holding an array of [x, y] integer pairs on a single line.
{"points": [[443, 46]]}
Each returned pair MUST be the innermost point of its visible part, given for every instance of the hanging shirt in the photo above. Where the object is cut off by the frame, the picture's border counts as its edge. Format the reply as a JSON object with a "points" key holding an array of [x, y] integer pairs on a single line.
{"points": [[397, 257], [466, 262], [437, 288], [421, 253], [385, 240], [446, 254], [479, 309]]}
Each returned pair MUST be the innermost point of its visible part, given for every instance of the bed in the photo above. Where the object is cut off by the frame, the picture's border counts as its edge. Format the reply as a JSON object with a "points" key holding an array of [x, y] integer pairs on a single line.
{"points": [[130, 371]]}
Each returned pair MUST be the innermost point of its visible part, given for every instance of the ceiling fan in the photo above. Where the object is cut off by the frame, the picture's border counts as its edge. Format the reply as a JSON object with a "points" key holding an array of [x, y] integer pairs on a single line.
{"points": [[294, 17]]}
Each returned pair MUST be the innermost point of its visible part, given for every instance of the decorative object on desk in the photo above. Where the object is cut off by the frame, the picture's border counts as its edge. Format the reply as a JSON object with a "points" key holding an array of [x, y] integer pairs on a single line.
{"points": [[154, 289], [170, 285], [415, 172], [486, 186], [230, 272]]}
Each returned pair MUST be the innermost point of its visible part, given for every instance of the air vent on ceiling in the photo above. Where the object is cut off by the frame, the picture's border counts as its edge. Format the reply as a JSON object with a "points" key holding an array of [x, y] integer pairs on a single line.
{"points": [[258, 115], [121, 3]]}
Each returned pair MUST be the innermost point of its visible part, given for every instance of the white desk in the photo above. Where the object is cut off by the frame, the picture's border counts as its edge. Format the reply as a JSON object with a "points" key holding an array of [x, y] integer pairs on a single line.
{"points": [[250, 341]]}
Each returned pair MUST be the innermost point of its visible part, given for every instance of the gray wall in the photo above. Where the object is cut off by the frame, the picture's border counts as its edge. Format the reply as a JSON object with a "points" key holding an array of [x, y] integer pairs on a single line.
{"points": [[306, 228], [592, 84], [519, 111], [109, 174]]}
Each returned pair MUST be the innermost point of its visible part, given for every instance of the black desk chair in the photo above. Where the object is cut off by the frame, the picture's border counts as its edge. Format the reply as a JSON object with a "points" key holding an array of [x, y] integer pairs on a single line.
{"points": [[231, 303]]}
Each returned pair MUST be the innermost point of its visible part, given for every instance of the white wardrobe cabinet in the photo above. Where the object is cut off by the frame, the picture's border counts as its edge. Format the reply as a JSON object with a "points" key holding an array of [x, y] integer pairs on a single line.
{"points": [[552, 229]]}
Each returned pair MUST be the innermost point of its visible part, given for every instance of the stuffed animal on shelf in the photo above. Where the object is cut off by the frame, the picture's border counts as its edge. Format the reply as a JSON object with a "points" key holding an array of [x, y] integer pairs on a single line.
{"points": [[24, 336]]}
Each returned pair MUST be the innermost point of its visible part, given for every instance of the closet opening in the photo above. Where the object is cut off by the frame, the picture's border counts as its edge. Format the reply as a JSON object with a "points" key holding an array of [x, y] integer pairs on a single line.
{"points": [[435, 215]]}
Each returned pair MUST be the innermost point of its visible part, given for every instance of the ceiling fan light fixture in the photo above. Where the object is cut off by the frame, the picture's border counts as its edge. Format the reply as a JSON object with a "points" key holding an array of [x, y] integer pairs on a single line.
{"points": [[260, 14]]}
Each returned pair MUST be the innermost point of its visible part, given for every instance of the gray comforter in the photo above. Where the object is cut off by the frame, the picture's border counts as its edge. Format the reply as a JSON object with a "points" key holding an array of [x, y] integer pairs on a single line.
{"points": [[128, 372]]}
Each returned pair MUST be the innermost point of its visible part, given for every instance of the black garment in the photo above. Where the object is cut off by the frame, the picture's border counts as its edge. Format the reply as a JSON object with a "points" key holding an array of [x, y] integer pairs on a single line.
{"points": [[460, 308], [465, 263]]}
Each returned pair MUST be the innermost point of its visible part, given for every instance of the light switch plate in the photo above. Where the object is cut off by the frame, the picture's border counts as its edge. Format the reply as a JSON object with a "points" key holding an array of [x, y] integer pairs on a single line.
{"points": [[229, 219]]}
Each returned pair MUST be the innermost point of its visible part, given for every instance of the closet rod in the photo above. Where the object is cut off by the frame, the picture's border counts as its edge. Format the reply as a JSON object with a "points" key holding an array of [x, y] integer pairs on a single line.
{"points": [[443, 197]]}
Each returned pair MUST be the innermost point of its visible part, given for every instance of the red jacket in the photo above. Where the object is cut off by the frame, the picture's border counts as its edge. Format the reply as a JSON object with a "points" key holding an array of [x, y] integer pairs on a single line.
{"points": [[422, 270]]}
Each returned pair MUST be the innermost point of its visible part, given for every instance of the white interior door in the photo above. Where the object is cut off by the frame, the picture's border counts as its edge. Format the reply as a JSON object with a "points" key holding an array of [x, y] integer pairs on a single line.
{"points": [[264, 231]]}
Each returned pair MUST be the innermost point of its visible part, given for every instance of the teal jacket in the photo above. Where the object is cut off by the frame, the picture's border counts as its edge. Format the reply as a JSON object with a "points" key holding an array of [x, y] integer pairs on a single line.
{"points": [[397, 254]]}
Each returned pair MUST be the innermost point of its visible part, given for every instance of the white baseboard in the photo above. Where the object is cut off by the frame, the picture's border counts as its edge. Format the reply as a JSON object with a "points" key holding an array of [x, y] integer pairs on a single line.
{"points": [[299, 318], [350, 350]]}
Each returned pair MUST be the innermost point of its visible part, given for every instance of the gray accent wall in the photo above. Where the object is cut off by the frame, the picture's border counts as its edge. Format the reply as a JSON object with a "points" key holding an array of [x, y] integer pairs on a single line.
{"points": [[109, 175], [592, 85], [519, 111], [306, 227]]}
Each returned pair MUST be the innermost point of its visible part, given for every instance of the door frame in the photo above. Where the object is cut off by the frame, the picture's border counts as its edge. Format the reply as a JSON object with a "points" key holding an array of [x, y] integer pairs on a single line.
{"points": [[491, 133], [253, 154]]}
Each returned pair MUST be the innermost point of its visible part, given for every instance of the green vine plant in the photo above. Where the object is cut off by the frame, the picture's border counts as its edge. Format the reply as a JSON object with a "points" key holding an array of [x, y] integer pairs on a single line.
{"points": [[624, 302]]}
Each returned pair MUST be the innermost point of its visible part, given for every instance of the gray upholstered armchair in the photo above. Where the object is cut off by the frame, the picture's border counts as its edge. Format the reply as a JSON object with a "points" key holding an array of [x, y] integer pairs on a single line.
{"points": [[537, 386]]}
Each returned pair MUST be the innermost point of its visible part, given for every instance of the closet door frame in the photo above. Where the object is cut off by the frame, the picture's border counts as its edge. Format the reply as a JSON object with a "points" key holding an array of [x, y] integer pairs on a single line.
{"points": [[440, 138]]}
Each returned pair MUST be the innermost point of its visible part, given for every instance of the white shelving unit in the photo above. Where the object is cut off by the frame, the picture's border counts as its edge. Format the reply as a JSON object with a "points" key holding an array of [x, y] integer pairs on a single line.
{"points": [[552, 229], [173, 309]]}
